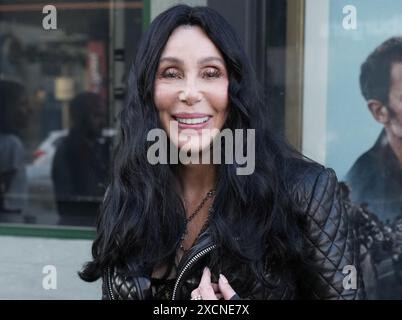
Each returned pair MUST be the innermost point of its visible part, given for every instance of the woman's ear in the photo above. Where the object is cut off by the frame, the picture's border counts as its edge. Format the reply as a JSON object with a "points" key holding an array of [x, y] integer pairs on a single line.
{"points": [[378, 110]]}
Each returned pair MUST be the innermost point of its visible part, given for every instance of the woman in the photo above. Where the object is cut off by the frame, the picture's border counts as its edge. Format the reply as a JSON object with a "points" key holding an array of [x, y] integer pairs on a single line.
{"points": [[14, 112], [202, 231]]}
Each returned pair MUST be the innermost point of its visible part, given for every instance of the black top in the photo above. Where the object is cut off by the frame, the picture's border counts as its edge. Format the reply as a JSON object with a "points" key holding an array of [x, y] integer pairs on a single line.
{"points": [[162, 289]]}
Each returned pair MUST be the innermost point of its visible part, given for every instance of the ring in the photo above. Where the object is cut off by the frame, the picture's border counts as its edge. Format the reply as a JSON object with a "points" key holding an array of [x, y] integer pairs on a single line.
{"points": [[199, 297]]}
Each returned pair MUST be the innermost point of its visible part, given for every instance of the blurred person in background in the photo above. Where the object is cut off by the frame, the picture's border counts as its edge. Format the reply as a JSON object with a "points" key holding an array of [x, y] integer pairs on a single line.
{"points": [[14, 111], [81, 162]]}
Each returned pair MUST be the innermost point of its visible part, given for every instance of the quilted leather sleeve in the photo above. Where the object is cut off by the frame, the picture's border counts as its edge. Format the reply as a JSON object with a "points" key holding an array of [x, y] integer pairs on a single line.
{"points": [[116, 286], [330, 242]]}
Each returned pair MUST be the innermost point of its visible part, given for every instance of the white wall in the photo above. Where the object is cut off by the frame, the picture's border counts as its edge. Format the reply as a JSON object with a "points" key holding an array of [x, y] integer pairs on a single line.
{"points": [[21, 264], [315, 80]]}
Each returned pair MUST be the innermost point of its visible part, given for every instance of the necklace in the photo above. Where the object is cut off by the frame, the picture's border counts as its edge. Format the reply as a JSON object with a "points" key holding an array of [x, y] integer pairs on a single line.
{"points": [[209, 194]]}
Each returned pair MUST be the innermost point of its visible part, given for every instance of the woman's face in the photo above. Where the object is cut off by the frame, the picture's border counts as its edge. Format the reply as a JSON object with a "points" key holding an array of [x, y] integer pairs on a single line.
{"points": [[191, 89]]}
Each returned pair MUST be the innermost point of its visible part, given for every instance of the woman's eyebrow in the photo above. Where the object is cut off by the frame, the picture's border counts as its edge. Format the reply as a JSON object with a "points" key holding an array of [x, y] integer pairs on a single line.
{"points": [[209, 59], [201, 61], [171, 59]]}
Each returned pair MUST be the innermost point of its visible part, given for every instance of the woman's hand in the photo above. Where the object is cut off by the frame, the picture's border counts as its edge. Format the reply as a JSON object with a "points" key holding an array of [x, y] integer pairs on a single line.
{"points": [[213, 291]]}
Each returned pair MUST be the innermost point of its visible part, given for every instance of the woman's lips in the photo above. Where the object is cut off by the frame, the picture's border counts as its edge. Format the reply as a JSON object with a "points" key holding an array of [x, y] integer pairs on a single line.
{"points": [[192, 120]]}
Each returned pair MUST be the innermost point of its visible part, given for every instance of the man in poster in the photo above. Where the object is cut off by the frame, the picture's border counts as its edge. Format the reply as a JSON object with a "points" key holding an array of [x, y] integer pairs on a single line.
{"points": [[376, 177]]}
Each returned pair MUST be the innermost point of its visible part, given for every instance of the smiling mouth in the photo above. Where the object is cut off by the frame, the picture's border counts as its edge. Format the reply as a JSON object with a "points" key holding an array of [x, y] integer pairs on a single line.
{"points": [[191, 121]]}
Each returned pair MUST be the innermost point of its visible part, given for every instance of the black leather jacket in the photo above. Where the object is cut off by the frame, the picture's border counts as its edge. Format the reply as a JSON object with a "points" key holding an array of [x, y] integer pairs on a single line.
{"points": [[329, 243]]}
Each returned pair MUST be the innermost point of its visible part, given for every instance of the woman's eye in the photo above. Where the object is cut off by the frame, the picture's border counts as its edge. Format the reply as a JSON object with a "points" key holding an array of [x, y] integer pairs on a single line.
{"points": [[212, 73], [171, 74]]}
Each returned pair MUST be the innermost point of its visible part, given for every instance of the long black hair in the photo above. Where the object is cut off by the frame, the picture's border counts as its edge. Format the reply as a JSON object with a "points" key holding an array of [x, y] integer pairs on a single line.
{"points": [[142, 217]]}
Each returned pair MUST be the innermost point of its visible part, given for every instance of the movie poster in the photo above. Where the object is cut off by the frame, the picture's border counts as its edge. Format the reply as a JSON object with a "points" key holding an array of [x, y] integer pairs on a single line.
{"points": [[364, 127]]}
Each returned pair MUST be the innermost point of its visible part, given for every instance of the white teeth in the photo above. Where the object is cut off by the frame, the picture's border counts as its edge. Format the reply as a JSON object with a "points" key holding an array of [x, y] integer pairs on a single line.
{"points": [[192, 120]]}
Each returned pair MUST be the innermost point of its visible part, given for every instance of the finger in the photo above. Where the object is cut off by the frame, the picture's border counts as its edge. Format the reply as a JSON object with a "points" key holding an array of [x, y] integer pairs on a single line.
{"points": [[195, 293], [219, 296], [205, 287], [225, 288]]}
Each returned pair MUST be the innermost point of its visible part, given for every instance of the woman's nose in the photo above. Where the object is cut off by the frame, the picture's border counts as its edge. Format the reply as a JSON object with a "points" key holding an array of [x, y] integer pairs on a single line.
{"points": [[190, 93]]}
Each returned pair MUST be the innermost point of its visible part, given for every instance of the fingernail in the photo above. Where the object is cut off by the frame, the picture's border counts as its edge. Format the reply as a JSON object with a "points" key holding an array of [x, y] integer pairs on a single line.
{"points": [[223, 278]]}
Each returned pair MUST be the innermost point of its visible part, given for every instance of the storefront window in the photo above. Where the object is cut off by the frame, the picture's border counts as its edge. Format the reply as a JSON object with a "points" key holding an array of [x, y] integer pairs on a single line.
{"points": [[62, 73]]}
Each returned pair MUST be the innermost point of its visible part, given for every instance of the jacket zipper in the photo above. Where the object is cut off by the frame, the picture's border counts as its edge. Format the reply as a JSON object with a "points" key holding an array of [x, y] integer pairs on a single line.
{"points": [[189, 263], [109, 283], [183, 271]]}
